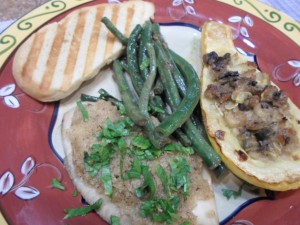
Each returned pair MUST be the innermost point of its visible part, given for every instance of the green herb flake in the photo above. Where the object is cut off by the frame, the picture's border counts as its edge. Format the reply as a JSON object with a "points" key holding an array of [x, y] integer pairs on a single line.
{"points": [[179, 175], [165, 179], [145, 64], [161, 210], [186, 223], [55, 183], [148, 188], [92, 163], [179, 148], [115, 220], [228, 193], [75, 193], [82, 211], [116, 130], [107, 180], [141, 142], [84, 112], [135, 171]]}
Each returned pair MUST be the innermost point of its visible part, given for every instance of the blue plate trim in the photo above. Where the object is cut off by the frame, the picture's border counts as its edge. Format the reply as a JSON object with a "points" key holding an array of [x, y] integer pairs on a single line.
{"points": [[51, 128], [270, 196]]}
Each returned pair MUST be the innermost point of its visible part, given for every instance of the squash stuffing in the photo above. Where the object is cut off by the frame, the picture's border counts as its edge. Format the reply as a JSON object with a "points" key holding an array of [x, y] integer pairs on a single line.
{"points": [[252, 124]]}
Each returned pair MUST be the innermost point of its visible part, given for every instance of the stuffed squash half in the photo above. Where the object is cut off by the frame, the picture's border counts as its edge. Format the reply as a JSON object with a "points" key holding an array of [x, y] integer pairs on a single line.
{"points": [[251, 123]]}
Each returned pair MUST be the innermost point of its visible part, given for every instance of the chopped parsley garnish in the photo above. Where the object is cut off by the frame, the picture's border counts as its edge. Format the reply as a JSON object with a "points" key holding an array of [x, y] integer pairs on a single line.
{"points": [[120, 137], [115, 220], [179, 148], [84, 112], [161, 210], [112, 138], [82, 211], [148, 188], [143, 148], [141, 142], [145, 64], [55, 183], [75, 193], [228, 193], [165, 179], [186, 223], [136, 170], [179, 175], [106, 179]]}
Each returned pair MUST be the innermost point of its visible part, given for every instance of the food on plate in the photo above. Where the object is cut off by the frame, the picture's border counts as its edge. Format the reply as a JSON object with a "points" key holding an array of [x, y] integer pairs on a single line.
{"points": [[137, 155], [109, 158], [59, 57], [252, 124]]}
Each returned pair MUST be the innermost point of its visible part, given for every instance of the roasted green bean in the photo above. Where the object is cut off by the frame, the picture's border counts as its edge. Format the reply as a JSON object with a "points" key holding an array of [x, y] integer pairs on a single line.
{"points": [[132, 59], [128, 98], [143, 55], [157, 141], [111, 27], [177, 74], [186, 107]]}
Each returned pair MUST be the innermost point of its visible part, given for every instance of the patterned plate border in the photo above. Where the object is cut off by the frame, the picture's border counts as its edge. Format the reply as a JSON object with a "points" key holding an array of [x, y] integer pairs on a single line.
{"points": [[279, 20]]}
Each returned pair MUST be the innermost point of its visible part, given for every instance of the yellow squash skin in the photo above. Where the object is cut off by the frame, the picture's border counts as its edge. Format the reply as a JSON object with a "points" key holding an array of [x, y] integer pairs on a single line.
{"points": [[280, 174]]}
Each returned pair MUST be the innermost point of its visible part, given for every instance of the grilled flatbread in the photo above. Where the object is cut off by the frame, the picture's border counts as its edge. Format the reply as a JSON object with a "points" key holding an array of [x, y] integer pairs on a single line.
{"points": [[59, 57], [253, 125], [78, 136]]}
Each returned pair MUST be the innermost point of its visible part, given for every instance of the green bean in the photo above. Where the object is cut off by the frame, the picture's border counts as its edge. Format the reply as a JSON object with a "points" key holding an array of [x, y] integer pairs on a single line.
{"points": [[158, 87], [166, 77], [200, 145], [132, 59], [157, 141], [104, 95], [220, 171], [124, 64], [146, 90], [128, 98], [188, 103], [177, 74], [88, 98], [143, 53], [111, 27], [178, 133]]}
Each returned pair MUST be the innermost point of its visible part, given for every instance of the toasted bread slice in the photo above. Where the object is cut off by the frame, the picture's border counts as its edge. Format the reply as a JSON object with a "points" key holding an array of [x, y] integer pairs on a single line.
{"points": [[55, 60], [255, 132], [78, 137]]}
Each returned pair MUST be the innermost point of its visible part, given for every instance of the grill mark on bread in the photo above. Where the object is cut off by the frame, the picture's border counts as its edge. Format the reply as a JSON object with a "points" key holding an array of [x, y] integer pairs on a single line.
{"points": [[45, 48], [23, 59], [130, 13], [101, 40], [33, 55], [53, 59], [69, 25], [110, 37], [136, 17], [93, 42], [121, 24], [82, 55], [73, 54]]}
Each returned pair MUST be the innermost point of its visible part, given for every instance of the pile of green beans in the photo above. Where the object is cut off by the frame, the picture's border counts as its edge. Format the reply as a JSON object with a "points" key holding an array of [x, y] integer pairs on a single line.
{"points": [[161, 79]]}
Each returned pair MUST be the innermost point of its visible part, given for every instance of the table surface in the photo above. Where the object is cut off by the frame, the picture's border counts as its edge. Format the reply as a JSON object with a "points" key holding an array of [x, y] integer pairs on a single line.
{"points": [[10, 10]]}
